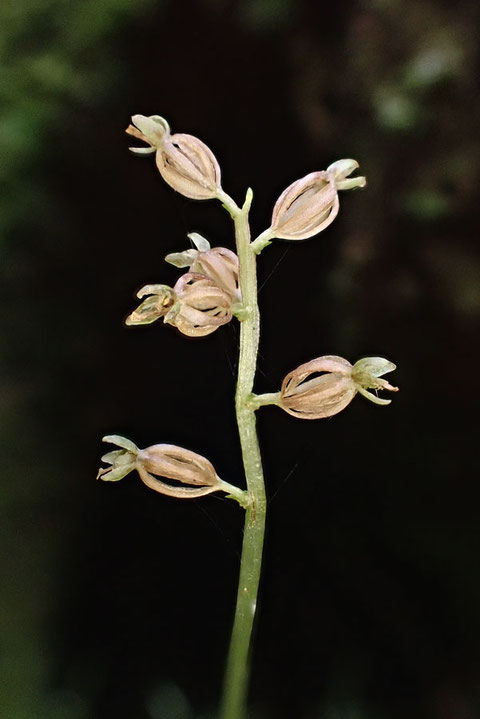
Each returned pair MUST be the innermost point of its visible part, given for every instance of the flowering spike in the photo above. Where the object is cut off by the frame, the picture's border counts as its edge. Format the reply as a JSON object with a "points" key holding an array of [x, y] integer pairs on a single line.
{"points": [[149, 129]]}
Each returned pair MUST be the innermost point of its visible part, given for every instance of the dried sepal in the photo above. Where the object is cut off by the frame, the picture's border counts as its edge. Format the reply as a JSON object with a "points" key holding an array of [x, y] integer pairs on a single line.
{"points": [[341, 169], [326, 385], [122, 461], [182, 259], [309, 205], [200, 242], [150, 130], [366, 374], [184, 161], [159, 301], [202, 306], [188, 257]]}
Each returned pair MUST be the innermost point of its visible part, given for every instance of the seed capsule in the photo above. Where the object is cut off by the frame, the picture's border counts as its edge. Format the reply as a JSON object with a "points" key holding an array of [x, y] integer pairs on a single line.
{"points": [[181, 465], [326, 385], [310, 204], [309, 395], [184, 161], [202, 306]]}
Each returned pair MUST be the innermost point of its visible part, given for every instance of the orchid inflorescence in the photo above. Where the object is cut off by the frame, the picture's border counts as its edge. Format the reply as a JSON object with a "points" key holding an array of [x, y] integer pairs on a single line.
{"points": [[208, 295], [218, 285]]}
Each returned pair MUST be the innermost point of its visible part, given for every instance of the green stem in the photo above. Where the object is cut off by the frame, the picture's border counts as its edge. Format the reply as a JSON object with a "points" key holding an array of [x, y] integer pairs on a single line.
{"points": [[232, 492], [263, 241], [260, 400], [234, 699]]}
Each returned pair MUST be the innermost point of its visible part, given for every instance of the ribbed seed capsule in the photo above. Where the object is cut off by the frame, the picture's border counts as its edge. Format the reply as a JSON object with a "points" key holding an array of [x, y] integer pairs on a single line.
{"points": [[310, 204], [184, 161], [326, 385], [306, 207], [202, 306], [309, 395], [162, 460], [190, 167], [177, 464]]}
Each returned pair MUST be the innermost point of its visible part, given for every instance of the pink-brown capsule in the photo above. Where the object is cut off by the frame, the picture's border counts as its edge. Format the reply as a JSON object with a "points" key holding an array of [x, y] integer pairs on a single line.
{"points": [[184, 161], [310, 204], [195, 474], [202, 306], [326, 385]]}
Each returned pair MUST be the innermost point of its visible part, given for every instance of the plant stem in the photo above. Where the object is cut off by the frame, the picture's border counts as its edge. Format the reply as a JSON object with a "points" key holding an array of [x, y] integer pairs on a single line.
{"points": [[234, 699], [260, 400], [263, 241], [239, 495]]}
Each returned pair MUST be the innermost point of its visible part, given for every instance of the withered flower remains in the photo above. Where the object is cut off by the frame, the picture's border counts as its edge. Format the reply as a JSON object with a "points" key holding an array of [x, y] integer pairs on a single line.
{"points": [[326, 385], [184, 161], [218, 284], [218, 263], [194, 474], [310, 204], [202, 306], [196, 306], [160, 300]]}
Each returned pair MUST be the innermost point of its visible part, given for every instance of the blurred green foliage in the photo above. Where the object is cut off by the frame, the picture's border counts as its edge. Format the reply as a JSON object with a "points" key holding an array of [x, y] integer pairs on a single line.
{"points": [[55, 56]]}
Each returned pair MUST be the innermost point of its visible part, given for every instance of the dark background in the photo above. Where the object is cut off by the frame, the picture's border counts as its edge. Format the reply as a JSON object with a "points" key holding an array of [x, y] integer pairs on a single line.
{"points": [[116, 603]]}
